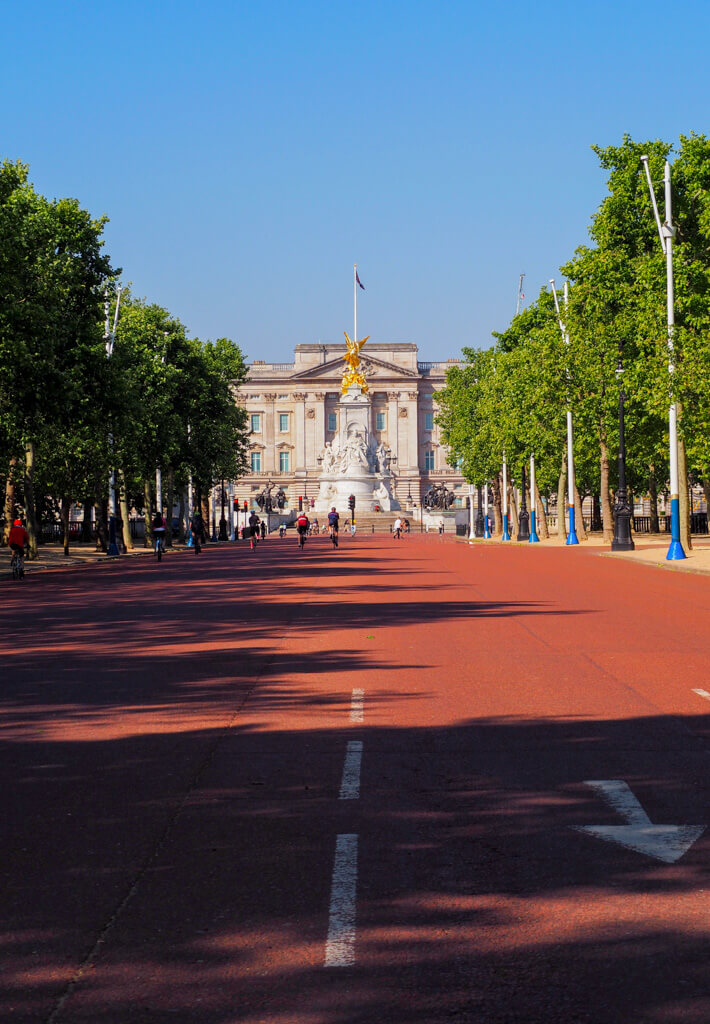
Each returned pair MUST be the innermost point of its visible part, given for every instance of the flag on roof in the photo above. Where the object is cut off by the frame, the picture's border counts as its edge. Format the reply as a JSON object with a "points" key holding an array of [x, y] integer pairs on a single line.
{"points": [[357, 278]]}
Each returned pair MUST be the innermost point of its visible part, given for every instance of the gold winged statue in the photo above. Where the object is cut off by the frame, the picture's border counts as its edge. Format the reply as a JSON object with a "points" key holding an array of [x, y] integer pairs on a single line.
{"points": [[352, 359]]}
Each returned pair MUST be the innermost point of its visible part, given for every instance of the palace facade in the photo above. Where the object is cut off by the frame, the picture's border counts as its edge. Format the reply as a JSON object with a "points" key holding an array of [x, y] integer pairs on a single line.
{"points": [[293, 412]]}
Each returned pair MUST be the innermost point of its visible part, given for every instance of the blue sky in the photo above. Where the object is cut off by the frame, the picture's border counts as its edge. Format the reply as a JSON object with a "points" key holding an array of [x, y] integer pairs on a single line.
{"points": [[248, 153]]}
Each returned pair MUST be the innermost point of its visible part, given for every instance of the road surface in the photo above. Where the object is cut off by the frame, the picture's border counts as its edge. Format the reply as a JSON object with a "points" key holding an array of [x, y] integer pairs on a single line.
{"points": [[400, 782]]}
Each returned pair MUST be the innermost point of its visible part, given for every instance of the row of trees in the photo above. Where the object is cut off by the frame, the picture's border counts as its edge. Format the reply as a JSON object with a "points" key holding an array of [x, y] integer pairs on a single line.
{"points": [[513, 397], [69, 410]]}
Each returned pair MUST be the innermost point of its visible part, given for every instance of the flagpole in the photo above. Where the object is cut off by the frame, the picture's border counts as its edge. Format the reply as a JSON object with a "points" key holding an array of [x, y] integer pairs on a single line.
{"points": [[355, 303]]}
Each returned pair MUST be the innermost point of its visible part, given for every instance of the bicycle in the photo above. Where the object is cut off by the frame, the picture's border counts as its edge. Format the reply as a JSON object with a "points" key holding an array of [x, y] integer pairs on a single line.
{"points": [[334, 536], [17, 564], [301, 538], [159, 545]]}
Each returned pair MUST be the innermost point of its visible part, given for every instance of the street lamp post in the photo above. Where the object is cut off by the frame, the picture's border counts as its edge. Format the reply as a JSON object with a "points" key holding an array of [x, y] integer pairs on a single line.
{"points": [[666, 233], [623, 541], [572, 532], [486, 520], [110, 337], [524, 517], [479, 514], [506, 534], [471, 527], [534, 539], [222, 521]]}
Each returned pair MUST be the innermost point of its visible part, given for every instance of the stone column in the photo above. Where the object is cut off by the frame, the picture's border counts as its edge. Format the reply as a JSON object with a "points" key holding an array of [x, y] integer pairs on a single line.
{"points": [[319, 427], [413, 430], [269, 435], [393, 425], [299, 415]]}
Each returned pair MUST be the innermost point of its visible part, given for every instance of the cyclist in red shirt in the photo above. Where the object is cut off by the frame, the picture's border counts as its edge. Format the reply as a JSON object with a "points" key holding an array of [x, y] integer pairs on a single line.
{"points": [[18, 538]]}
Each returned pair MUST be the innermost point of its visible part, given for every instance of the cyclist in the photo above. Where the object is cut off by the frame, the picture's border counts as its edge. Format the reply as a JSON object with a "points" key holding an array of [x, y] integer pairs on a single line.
{"points": [[254, 530], [18, 539], [159, 528], [282, 530], [333, 523], [302, 526]]}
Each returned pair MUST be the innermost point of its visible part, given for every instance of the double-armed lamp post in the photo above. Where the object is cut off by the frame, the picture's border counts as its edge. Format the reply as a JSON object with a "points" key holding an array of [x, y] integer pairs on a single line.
{"points": [[666, 233], [572, 532]]}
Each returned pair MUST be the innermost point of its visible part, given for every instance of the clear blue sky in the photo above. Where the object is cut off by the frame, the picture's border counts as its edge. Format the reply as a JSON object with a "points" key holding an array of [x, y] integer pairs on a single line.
{"points": [[248, 153]]}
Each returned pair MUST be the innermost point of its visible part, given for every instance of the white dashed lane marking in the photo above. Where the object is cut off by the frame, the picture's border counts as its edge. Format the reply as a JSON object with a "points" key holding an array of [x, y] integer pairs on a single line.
{"points": [[350, 785], [357, 713], [340, 944]]}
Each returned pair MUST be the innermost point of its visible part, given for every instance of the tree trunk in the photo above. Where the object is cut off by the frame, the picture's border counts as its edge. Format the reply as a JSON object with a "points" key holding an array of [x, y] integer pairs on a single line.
{"points": [[66, 508], [101, 523], [9, 499], [147, 514], [30, 507], [561, 499], [543, 528], [182, 536], [205, 510], [685, 537], [581, 528], [607, 514], [123, 504], [653, 496], [170, 503], [513, 525], [497, 511], [86, 523]]}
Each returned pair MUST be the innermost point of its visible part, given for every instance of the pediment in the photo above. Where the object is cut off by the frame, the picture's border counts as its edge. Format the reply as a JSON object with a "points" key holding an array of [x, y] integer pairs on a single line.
{"points": [[372, 367]]}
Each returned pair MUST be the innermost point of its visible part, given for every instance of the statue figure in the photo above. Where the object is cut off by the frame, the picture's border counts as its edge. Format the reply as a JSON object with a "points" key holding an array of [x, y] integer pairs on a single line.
{"points": [[353, 374], [328, 464], [281, 498], [354, 454], [383, 458]]}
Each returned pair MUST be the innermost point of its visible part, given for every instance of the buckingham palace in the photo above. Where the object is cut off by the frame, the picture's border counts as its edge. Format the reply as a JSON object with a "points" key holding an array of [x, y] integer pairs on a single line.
{"points": [[293, 410]]}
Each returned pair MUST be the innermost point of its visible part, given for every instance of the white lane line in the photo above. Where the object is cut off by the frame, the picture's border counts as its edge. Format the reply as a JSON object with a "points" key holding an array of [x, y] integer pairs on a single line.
{"points": [[702, 693], [356, 707], [350, 785], [340, 944]]}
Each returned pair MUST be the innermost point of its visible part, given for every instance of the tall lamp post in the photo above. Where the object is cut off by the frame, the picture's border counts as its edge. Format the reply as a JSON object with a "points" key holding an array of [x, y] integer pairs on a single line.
{"points": [[623, 541], [471, 527], [506, 534], [572, 532], [666, 233], [479, 514], [533, 539], [486, 520], [110, 337]]}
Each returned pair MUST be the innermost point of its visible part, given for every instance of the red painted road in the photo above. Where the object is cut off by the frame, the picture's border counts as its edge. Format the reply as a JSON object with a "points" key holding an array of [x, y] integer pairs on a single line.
{"points": [[173, 742]]}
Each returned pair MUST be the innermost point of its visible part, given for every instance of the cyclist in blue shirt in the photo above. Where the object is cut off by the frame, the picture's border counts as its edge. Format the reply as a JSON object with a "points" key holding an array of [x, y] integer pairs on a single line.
{"points": [[333, 523]]}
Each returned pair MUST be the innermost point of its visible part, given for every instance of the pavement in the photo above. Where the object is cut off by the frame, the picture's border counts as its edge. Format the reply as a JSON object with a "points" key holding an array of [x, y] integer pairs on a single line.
{"points": [[411, 782]]}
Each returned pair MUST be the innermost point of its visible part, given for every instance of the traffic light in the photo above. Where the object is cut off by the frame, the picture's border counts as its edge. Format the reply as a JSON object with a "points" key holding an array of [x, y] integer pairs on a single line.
{"points": [[246, 507], [351, 502], [300, 503], [235, 504]]}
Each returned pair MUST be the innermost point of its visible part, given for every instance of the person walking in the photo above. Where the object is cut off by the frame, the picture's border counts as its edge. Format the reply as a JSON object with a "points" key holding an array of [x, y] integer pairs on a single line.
{"points": [[397, 529], [263, 530], [197, 528]]}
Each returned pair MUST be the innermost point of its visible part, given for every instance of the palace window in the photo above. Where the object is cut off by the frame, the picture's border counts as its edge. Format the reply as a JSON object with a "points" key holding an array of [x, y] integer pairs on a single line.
{"points": [[256, 462], [428, 420], [256, 423], [380, 420], [429, 461], [283, 422], [332, 421], [284, 461]]}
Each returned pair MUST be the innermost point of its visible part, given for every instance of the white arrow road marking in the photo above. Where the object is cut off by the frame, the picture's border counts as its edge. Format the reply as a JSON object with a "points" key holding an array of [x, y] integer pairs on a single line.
{"points": [[667, 843], [340, 945], [702, 693]]}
